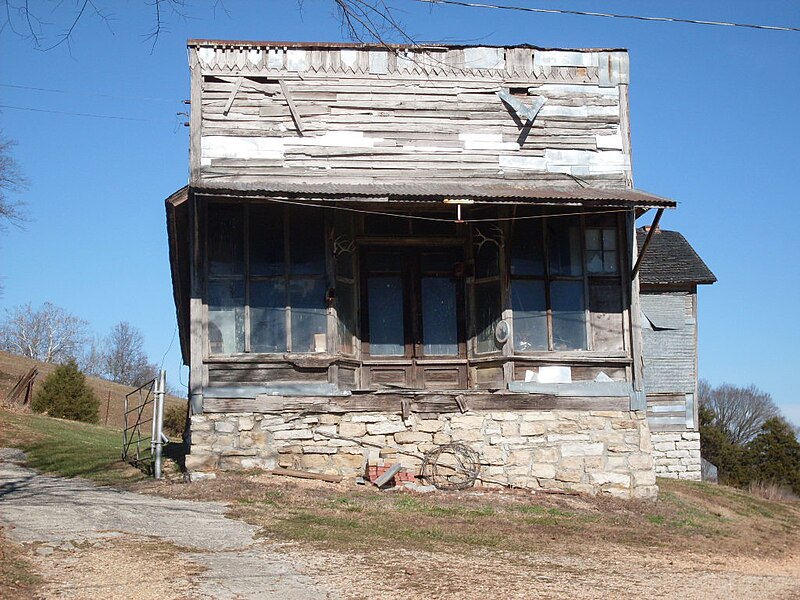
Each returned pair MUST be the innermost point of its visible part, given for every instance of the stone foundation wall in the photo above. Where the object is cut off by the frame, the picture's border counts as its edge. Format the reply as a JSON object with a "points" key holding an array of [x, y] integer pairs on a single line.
{"points": [[594, 452], [677, 454]]}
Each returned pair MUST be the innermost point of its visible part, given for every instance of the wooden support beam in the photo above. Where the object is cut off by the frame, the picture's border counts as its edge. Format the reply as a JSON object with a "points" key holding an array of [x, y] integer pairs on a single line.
{"points": [[647, 240], [292, 108], [231, 98]]}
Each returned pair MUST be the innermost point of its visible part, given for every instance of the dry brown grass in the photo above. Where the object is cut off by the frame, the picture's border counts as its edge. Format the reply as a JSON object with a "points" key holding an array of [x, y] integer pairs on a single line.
{"points": [[698, 541], [110, 394]]}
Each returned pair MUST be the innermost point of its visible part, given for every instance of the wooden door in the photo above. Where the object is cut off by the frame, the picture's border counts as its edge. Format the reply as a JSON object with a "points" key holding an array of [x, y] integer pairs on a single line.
{"points": [[413, 317]]}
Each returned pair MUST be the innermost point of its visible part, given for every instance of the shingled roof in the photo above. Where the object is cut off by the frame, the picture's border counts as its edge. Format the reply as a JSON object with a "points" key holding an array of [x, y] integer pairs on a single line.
{"points": [[670, 259]]}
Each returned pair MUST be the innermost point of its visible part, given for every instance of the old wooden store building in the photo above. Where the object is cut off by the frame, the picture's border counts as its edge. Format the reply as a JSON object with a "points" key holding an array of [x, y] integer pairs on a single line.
{"points": [[404, 247]]}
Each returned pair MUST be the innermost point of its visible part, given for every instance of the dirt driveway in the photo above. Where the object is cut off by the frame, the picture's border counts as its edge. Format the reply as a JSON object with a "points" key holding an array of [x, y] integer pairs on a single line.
{"points": [[95, 542]]}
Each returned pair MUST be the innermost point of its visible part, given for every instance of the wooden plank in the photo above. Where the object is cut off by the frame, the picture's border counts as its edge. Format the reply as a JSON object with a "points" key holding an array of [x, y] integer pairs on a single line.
{"points": [[232, 96], [306, 475], [420, 403], [295, 114]]}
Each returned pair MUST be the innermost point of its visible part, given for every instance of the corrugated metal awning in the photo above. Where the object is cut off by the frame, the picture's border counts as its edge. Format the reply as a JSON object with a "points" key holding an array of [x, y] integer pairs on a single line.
{"points": [[438, 191]]}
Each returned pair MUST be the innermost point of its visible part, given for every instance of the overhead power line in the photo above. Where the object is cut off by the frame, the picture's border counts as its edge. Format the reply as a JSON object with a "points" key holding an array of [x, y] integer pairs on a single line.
{"points": [[76, 114], [583, 13], [87, 94]]}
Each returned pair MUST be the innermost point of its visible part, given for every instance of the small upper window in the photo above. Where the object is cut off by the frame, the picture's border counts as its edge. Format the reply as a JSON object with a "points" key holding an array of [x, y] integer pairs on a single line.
{"points": [[601, 250]]}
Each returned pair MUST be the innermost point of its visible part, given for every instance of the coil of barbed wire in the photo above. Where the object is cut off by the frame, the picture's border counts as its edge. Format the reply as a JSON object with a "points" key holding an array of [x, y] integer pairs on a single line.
{"points": [[453, 466]]}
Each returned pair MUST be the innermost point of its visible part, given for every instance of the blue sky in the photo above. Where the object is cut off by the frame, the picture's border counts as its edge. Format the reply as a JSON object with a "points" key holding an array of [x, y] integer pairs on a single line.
{"points": [[714, 119]]}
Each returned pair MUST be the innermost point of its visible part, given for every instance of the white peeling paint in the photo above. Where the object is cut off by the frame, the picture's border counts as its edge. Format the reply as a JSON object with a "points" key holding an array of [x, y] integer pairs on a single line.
{"points": [[348, 57], [480, 137], [484, 58], [245, 148], [572, 89], [554, 110], [432, 149], [275, 59], [609, 142], [378, 62], [335, 139], [491, 145], [254, 56], [207, 56], [559, 58], [523, 163], [296, 60]]}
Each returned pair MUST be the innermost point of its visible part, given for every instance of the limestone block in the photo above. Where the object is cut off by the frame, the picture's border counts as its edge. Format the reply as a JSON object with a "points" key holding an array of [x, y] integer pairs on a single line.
{"points": [[289, 461], [617, 463], [532, 428], [640, 461], [569, 463], [199, 423], [329, 419], [311, 420], [691, 435], [569, 475], [538, 415], [604, 477], [509, 428], [467, 421], [543, 471], [385, 427], [239, 452], [549, 454], [594, 463], [349, 461], [496, 440], [319, 450], [582, 449], [313, 461], [614, 414], [368, 418], [677, 454], [429, 425], [644, 478], [557, 438], [563, 427], [695, 454], [505, 416], [676, 468], [246, 423], [520, 457], [326, 430], [664, 446], [342, 443], [467, 435], [225, 427], [624, 425], [352, 430], [290, 449], [259, 463], [201, 462], [412, 437], [493, 456], [378, 440], [293, 434], [199, 476]]}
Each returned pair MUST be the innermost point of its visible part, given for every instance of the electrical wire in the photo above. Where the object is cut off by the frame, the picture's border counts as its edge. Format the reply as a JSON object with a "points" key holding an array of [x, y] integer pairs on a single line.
{"points": [[421, 217], [583, 13], [85, 94], [76, 114]]}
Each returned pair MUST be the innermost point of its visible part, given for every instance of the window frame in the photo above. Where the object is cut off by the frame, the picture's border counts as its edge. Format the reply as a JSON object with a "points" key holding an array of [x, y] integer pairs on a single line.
{"points": [[247, 278]]}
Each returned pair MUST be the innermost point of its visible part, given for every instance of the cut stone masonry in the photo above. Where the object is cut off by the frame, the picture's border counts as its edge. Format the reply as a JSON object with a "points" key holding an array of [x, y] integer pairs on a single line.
{"points": [[593, 452], [677, 454]]}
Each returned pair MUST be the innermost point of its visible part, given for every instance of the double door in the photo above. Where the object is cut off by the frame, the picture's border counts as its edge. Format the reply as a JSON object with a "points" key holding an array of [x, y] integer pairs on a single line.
{"points": [[413, 317]]}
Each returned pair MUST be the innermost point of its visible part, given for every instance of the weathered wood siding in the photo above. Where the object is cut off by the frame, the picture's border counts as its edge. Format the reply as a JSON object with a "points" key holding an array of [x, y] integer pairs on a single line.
{"points": [[356, 114], [669, 334]]}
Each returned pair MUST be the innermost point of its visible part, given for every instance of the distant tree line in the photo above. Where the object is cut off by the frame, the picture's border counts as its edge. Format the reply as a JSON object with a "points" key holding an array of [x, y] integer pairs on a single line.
{"points": [[50, 334], [743, 433]]}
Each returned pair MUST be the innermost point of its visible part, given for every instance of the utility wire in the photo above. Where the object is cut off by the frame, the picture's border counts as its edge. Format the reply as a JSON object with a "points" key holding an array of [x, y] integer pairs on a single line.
{"points": [[424, 218], [582, 13], [87, 94], [75, 114]]}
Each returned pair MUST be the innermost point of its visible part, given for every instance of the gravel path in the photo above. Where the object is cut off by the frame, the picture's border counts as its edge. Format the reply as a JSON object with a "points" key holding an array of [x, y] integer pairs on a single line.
{"points": [[79, 527]]}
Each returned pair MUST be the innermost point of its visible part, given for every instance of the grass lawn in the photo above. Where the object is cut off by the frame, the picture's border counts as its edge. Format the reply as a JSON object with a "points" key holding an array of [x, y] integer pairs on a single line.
{"points": [[68, 448]]}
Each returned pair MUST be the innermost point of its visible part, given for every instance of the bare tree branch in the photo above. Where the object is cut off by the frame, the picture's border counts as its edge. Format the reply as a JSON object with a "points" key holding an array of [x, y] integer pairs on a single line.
{"points": [[739, 411], [49, 334]]}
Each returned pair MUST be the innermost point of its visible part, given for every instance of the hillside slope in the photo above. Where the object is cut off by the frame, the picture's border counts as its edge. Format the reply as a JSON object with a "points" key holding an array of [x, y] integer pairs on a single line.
{"points": [[110, 394]]}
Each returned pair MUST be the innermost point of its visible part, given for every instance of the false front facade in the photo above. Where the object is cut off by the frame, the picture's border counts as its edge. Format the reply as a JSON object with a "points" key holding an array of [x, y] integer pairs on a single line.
{"points": [[401, 248]]}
